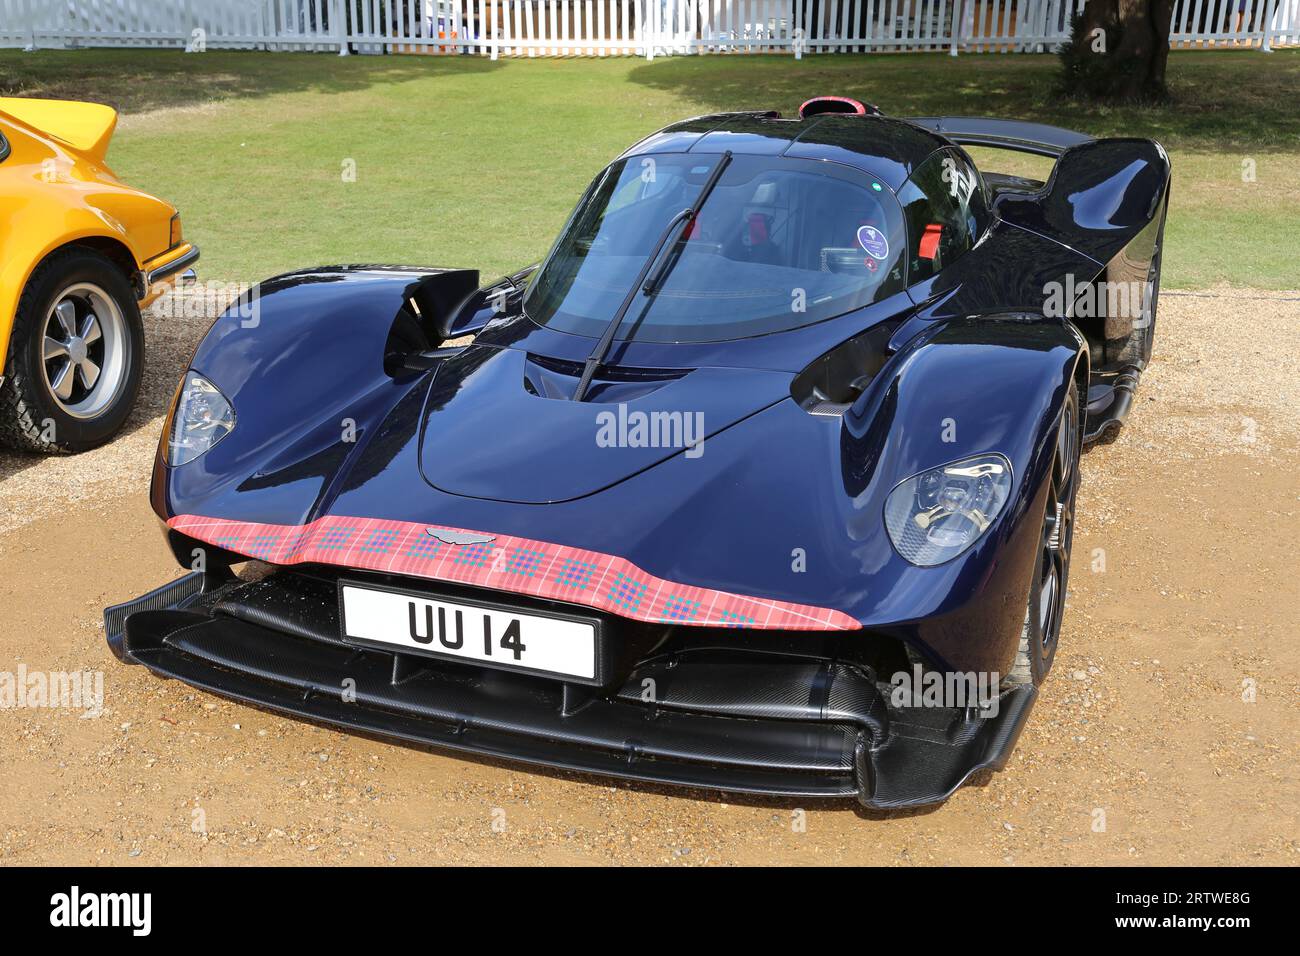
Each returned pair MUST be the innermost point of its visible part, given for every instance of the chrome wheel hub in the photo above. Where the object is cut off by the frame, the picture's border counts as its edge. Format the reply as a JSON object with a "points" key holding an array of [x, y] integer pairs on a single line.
{"points": [[78, 351], [85, 350]]}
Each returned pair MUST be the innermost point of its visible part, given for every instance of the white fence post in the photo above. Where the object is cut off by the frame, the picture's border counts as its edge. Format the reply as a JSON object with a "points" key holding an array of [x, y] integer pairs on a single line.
{"points": [[1269, 13], [338, 13], [499, 28]]}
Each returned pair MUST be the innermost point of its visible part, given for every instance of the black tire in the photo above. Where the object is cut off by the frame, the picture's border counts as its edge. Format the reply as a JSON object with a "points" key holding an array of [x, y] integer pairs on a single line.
{"points": [[33, 417], [1153, 278], [1047, 588]]}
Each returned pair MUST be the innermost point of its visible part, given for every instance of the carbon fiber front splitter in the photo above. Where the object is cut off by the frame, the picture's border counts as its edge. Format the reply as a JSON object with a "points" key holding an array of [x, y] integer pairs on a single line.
{"points": [[724, 720]]}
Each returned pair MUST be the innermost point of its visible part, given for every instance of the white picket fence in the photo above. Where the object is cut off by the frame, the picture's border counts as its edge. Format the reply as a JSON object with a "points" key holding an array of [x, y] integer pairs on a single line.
{"points": [[646, 28]]}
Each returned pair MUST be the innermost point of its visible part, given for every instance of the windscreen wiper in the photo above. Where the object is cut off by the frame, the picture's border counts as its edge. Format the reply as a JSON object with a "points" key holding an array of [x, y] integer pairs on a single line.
{"points": [[644, 284]]}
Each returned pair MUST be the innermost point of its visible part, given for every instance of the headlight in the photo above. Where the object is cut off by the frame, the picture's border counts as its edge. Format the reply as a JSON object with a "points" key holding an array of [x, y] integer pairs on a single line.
{"points": [[936, 515], [203, 417]]}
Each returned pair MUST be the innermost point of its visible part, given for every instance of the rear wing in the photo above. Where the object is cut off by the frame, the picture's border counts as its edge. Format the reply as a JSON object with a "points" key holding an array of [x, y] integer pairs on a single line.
{"points": [[1101, 194], [86, 127], [1036, 138]]}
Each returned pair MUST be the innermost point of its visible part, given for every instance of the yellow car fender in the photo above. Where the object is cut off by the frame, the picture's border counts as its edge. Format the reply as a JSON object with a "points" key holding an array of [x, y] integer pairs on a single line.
{"points": [[69, 384], [56, 189]]}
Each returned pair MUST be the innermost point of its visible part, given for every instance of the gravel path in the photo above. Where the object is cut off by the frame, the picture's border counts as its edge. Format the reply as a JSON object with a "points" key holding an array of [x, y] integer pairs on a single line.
{"points": [[1143, 748]]}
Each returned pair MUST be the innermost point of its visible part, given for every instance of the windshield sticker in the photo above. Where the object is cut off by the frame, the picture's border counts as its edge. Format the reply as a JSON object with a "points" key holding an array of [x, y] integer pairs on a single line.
{"points": [[874, 242]]}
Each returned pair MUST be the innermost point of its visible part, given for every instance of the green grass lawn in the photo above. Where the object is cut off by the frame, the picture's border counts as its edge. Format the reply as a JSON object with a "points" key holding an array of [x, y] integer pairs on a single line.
{"points": [[464, 162]]}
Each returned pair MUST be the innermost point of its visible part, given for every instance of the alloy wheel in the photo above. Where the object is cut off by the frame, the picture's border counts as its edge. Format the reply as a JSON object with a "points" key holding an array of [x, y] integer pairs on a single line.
{"points": [[84, 350]]}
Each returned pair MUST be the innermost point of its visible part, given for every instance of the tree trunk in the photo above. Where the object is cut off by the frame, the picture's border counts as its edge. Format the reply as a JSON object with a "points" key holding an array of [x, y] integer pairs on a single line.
{"points": [[1119, 50]]}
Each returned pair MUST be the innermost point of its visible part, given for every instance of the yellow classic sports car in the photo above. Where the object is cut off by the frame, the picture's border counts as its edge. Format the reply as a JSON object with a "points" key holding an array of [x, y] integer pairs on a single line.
{"points": [[80, 254]]}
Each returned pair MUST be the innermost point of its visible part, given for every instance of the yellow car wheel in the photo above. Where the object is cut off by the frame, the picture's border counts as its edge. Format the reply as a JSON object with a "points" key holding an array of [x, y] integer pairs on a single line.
{"points": [[75, 357]]}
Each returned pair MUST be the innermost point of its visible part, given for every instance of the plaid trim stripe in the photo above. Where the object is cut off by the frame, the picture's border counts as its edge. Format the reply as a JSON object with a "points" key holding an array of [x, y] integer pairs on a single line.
{"points": [[573, 573], [524, 561], [380, 540], [681, 610], [472, 555], [424, 547], [519, 565], [732, 619], [627, 593]]}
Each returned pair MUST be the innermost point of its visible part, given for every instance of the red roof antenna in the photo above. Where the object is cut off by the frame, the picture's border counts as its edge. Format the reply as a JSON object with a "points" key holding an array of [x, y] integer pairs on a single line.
{"points": [[836, 104]]}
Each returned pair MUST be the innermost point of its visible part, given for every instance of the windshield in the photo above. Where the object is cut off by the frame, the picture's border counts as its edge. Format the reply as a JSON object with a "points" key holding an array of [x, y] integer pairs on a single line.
{"points": [[781, 243]]}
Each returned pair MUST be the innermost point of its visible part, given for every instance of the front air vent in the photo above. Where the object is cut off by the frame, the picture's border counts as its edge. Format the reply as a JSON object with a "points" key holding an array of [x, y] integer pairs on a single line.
{"points": [[834, 380], [548, 377], [829, 409]]}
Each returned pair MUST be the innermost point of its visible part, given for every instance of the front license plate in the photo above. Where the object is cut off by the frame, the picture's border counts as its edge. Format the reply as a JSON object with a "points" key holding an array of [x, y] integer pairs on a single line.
{"points": [[502, 637]]}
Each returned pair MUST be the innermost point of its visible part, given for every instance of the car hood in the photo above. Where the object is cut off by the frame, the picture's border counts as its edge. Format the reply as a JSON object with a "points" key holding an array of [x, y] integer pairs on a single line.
{"points": [[499, 424]]}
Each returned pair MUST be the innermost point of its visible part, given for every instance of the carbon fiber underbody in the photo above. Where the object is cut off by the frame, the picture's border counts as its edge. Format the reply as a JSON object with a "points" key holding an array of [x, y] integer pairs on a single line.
{"points": [[798, 718]]}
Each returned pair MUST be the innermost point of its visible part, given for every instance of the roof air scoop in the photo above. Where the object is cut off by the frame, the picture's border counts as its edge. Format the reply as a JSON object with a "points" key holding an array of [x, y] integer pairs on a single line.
{"points": [[836, 104]]}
